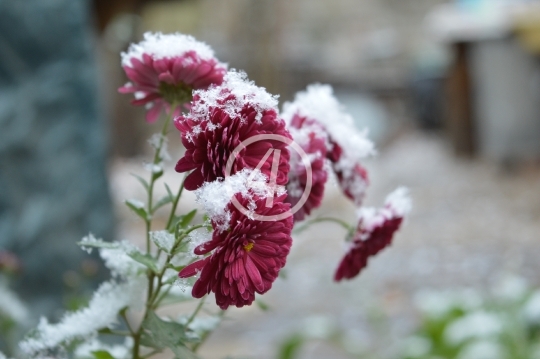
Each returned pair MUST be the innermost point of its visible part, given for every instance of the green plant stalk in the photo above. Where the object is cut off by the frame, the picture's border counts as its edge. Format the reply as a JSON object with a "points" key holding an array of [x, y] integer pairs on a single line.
{"points": [[175, 202], [347, 226], [153, 177], [151, 303]]}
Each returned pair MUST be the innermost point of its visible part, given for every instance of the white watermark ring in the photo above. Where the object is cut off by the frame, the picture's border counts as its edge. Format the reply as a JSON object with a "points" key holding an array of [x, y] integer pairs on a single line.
{"points": [[273, 174]]}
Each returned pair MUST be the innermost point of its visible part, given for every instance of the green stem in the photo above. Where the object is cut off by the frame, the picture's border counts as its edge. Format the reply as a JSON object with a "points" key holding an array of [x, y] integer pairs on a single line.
{"points": [[206, 334], [153, 177], [175, 203], [194, 314], [347, 226], [154, 294]]}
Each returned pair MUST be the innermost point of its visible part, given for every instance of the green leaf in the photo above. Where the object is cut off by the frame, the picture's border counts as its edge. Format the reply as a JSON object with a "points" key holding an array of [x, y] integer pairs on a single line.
{"points": [[291, 347], [168, 334], [157, 175], [176, 268], [169, 192], [161, 203], [98, 243], [265, 307], [102, 354], [185, 220], [141, 181], [145, 259], [138, 208]]}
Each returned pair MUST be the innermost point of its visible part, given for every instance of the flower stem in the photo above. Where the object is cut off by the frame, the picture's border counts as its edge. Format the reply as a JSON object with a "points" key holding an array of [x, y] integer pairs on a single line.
{"points": [[194, 314], [175, 203], [154, 294], [154, 176], [347, 226]]}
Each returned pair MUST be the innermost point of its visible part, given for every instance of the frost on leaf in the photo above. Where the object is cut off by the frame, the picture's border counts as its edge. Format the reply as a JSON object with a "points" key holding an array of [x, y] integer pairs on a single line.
{"points": [[11, 306], [101, 312]]}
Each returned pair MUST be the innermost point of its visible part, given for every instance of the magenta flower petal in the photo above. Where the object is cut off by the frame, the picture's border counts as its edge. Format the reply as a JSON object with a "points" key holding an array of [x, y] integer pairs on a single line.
{"points": [[312, 137], [375, 232], [168, 68], [221, 119]]}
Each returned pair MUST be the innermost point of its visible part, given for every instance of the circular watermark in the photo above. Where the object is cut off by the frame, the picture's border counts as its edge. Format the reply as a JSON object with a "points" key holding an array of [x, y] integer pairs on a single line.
{"points": [[273, 174]]}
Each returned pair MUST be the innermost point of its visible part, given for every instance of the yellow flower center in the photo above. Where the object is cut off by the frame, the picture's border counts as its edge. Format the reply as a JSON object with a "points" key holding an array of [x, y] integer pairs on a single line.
{"points": [[248, 247]]}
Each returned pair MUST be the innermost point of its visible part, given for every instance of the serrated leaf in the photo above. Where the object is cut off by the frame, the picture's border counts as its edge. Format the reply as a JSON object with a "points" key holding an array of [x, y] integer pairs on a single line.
{"points": [[162, 202], [145, 259], [102, 354], [138, 208], [141, 181]]}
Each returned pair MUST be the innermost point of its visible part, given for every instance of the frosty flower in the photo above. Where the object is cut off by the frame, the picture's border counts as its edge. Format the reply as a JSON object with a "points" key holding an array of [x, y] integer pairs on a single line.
{"points": [[165, 69], [352, 178], [375, 231], [311, 136], [345, 146], [220, 120], [246, 257]]}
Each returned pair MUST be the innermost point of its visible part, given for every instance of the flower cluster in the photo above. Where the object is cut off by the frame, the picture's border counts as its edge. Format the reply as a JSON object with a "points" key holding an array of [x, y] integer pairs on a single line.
{"points": [[256, 171], [326, 132]]}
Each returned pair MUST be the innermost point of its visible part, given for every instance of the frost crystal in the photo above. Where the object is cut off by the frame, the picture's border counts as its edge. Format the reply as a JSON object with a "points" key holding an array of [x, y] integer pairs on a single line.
{"points": [[532, 308], [119, 351], [161, 46], [197, 238], [483, 349], [397, 204], [231, 96], [216, 196], [480, 324], [11, 306], [163, 239], [102, 312], [319, 103], [119, 262]]}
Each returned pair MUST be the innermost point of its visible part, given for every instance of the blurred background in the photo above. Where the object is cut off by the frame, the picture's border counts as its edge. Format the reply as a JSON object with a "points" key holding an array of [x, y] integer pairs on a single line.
{"points": [[450, 92]]}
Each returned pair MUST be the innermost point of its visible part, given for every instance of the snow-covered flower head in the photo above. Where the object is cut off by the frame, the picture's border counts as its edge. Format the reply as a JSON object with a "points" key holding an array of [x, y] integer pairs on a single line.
{"points": [[345, 146], [376, 228], [223, 119], [246, 253], [312, 138], [319, 103], [164, 69]]}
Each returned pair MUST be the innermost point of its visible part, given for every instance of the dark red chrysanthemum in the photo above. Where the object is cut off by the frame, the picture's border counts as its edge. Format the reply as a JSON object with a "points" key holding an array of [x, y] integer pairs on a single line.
{"points": [[246, 258], [165, 69], [309, 135], [374, 232], [215, 127], [352, 177]]}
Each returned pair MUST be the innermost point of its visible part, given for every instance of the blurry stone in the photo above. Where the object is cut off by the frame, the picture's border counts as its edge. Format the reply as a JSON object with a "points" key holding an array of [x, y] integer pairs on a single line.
{"points": [[53, 187]]}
